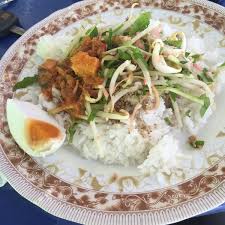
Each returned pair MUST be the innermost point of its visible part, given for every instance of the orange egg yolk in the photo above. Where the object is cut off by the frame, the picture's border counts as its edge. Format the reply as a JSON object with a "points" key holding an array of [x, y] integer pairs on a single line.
{"points": [[40, 133]]}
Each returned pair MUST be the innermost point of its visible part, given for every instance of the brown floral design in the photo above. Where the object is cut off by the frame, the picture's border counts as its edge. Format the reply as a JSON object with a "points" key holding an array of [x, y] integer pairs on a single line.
{"points": [[92, 206]]}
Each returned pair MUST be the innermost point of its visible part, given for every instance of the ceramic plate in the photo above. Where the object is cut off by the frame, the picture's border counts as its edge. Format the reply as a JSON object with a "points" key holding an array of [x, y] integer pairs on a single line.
{"points": [[87, 192]]}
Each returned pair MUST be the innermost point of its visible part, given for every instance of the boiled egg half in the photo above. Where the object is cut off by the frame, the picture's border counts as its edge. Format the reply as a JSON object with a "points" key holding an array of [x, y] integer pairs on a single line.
{"points": [[33, 129]]}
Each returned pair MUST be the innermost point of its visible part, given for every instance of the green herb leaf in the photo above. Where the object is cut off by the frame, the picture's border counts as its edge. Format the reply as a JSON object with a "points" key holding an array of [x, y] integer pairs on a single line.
{"points": [[175, 43], [186, 71], [124, 55], [108, 38], [173, 96], [196, 57], [27, 81], [92, 32], [183, 61], [106, 72], [222, 65], [110, 73], [113, 63], [168, 121], [137, 54], [195, 143], [92, 116], [101, 72], [182, 94], [140, 23], [71, 131], [203, 77], [187, 54], [205, 106], [96, 108]]}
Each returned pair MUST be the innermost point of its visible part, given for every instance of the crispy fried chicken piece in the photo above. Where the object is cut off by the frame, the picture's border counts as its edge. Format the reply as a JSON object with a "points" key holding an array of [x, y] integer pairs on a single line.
{"points": [[86, 66]]}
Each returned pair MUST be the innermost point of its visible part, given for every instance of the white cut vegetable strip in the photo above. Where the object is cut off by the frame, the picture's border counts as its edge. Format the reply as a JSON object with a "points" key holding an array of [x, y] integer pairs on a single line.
{"points": [[96, 138], [126, 65], [94, 100], [113, 116], [158, 60], [146, 75]]}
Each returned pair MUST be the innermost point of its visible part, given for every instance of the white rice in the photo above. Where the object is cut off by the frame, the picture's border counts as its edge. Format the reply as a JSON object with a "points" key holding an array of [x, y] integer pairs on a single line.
{"points": [[118, 146], [115, 144], [161, 157]]}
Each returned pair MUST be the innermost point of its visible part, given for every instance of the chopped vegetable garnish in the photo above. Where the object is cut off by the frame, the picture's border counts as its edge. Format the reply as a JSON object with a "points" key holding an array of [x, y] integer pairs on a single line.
{"points": [[175, 43], [185, 95], [27, 81], [203, 76], [108, 38], [187, 54], [196, 57], [124, 55], [168, 121], [186, 71], [71, 131], [137, 54], [95, 108], [206, 104], [195, 143], [140, 23], [92, 32], [222, 65], [183, 61], [173, 96], [109, 72]]}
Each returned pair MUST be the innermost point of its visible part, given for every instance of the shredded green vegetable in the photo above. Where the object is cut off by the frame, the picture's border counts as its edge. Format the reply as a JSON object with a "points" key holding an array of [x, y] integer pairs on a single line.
{"points": [[108, 38], [185, 95], [92, 32], [71, 131], [123, 55], [175, 43], [140, 23], [196, 57], [203, 77], [168, 121], [206, 104], [95, 108], [222, 65]]}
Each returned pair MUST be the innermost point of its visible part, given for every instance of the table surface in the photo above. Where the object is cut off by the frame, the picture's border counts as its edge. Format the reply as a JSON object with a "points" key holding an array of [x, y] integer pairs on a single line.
{"points": [[24, 212]]}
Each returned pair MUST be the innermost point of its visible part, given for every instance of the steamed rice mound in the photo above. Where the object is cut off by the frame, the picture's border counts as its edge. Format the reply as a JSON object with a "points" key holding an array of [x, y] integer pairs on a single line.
{"points": [[115, 144]]}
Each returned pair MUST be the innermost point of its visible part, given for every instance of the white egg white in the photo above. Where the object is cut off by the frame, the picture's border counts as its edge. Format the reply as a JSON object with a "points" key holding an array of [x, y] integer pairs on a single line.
{"points": [[18, 112]]}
